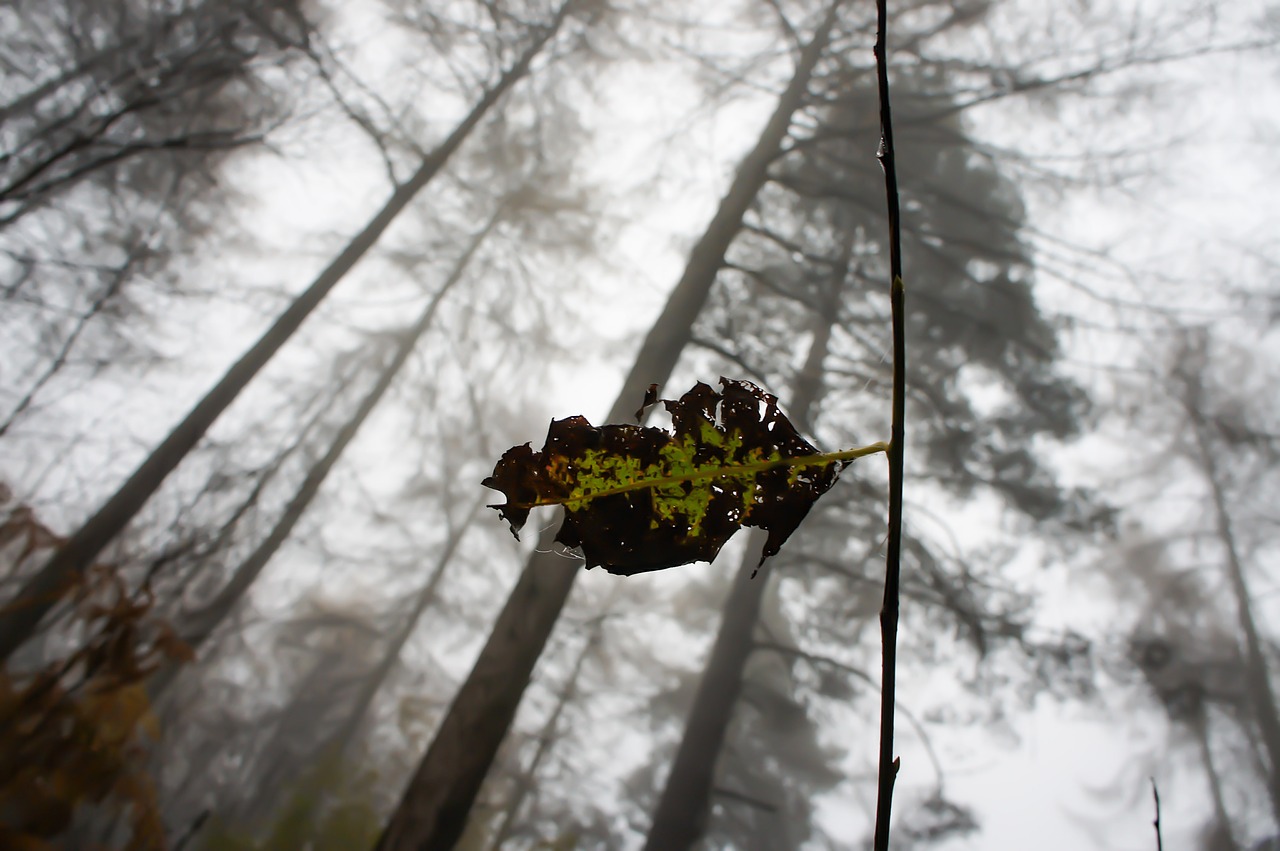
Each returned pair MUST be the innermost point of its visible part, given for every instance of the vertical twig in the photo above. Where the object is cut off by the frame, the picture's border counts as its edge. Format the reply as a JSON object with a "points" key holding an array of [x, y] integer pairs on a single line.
{"points": [[1155, 793], [888, 767]]}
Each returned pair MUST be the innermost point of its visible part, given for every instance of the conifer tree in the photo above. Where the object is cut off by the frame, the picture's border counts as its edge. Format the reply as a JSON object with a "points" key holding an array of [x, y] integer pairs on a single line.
{"points": [[83, 547]]}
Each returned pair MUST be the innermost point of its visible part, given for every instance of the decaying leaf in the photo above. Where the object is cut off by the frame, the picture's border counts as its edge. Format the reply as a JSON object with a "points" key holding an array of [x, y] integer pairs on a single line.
{"points": [[638, 499]]}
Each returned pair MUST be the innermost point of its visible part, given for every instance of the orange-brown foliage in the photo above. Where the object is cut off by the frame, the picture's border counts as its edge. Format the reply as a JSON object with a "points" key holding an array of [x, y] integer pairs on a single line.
{"points": [[73, 732]]}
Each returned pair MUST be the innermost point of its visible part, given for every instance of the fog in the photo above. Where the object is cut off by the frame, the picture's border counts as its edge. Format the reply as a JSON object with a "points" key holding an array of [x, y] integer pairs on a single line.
{"points": [[294, 294]]}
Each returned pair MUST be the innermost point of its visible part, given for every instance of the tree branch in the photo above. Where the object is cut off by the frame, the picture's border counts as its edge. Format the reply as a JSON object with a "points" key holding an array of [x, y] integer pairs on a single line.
{"points": [[888, 765]]}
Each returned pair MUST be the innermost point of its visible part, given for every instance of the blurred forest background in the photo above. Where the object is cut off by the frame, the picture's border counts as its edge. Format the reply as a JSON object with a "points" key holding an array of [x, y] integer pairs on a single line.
{"points": [[280, 280]]}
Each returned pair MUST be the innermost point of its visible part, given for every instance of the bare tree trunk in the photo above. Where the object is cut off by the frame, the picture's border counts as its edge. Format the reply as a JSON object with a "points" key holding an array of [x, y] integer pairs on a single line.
{"points": [[682, 812], [317, 781], [546, 738], [433, 811], [681, 816], [226, 532], [1200, 727], [341, 741], [200, 626], [1262, 696], [39, 594]]}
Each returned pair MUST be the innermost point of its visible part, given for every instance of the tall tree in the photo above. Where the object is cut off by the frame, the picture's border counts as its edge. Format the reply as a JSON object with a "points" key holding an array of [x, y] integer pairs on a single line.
{"points": [[992, 332], [83, 547], [681, 815], [809, 246], [1202, 640], [546, 738], [434, 808], [1186, 650], [198, 627], [1217, 431], [282, 770], [104, 90], [113, 160], [398, 480]]}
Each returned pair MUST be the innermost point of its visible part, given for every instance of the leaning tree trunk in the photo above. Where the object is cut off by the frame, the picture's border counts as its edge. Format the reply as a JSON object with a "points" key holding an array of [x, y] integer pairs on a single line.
{"points": [[198, 627], [434, 808], [683, 809], [42, 591]]}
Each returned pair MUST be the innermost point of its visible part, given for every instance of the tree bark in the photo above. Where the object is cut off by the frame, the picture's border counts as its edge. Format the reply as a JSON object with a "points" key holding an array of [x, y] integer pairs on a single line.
{"points": [[200, 626], [40, 593], [433, 811]]}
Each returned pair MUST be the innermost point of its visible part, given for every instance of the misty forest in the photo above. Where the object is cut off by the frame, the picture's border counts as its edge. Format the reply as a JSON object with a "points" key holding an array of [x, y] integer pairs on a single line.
{"points": [[384, 387]]}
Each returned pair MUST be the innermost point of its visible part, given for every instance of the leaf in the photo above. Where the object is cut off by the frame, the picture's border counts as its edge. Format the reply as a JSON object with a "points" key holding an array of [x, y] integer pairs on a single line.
{"points": [[638, 499], [72, 732]]}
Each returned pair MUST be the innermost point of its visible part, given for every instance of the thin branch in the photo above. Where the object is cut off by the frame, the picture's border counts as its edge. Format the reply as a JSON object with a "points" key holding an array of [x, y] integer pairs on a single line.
{"points": [[797, 43], [743, 798], [63, 354], [1155, 793], [888, 765], [736, 359], [816, 660]]}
